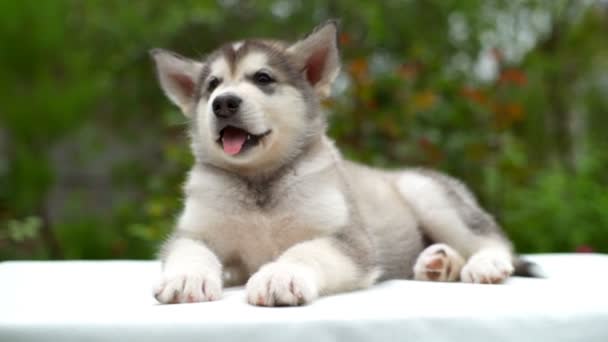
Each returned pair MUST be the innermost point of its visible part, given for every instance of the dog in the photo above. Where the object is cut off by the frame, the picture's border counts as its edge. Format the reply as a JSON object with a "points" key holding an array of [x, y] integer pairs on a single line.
{"points": [[271, 204]]}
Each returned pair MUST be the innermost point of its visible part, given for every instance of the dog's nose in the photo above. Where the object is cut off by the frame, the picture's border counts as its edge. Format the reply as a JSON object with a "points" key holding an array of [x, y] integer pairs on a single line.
{"points": [[225, 106]]}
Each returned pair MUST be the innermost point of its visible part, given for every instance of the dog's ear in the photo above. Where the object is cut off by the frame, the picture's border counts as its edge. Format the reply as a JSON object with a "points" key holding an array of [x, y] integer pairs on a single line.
{"points": [[318, 56], [178, 77]]}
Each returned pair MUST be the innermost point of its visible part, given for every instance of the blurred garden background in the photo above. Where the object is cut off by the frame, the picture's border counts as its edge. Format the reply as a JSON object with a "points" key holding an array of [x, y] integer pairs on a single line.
{"points": [[511, 96]]}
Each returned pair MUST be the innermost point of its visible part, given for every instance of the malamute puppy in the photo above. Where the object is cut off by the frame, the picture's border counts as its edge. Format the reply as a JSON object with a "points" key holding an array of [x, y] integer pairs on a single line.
{"points": [[271, 203]]}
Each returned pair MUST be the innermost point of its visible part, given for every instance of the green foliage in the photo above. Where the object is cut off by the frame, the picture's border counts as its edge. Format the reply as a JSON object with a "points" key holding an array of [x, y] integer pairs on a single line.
{"points": [[18, 231], [92, 156], [561, 212]]}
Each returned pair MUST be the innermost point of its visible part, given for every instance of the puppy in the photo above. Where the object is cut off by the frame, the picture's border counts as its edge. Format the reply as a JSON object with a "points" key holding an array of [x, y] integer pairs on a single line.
{"points": [[271, 203]]}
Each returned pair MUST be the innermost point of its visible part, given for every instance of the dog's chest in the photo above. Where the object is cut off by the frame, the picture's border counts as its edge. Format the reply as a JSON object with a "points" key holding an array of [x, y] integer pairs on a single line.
{"points": [[256, 233]]}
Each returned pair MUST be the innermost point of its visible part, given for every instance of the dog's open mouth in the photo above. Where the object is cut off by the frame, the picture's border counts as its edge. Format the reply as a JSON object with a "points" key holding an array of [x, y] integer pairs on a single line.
{"points": [[235, 140]]}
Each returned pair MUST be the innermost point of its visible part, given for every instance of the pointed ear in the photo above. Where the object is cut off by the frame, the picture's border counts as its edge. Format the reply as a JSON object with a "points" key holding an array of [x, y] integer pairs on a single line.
{"points": [[318, 56], [177, 76]]}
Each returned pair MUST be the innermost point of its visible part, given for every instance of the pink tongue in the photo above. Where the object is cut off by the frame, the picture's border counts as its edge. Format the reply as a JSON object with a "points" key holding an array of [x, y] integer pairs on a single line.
{"points": [[233, 140]]}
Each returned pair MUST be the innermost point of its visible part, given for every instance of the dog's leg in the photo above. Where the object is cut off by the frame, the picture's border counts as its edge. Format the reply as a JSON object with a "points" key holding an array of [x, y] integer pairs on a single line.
{"points": [[438, 262], [449, 214], [309, 269], [191, 273]]}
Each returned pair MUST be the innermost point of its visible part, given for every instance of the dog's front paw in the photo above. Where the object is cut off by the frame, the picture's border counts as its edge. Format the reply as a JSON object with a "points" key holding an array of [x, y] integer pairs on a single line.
{"points": [[282, 284], [487, 267], [188, 288]]}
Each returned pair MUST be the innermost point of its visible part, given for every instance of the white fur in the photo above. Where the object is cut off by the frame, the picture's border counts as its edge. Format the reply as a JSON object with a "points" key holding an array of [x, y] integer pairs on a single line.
{"points": [[282, 283], [251, 63], [320, 160], [325, 259], [303, 272], [191, 273], [219, 68], [306, 213], [330, 211], [439, 217], [490, 266]]}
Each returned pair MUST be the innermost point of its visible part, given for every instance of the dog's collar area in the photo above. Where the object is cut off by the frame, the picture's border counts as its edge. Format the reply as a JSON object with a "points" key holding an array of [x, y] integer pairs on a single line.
{"points": [[235, 141]]}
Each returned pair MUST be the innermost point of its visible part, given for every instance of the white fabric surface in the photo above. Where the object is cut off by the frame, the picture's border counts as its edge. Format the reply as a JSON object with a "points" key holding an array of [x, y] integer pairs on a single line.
{"points": [[112, 301]]}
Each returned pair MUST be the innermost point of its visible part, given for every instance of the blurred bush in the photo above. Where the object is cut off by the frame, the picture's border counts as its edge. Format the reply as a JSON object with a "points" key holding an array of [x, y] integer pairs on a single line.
{"points": [[510, 96]]}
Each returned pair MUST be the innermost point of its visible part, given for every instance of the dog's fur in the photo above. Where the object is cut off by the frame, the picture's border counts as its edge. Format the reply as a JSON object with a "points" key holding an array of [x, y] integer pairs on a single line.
{"points": [[288, 216]]}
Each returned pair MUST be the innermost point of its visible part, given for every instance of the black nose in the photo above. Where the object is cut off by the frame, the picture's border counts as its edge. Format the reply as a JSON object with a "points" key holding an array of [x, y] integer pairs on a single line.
{"points": [[225, 106]]}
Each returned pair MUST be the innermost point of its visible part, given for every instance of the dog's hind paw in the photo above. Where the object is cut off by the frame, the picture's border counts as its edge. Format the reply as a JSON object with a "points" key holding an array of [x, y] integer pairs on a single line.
{"points": [[487, 267], [438, 262]]}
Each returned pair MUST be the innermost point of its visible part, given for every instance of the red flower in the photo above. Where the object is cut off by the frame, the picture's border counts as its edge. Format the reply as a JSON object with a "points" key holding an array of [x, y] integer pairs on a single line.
{"points": [[584, 249]]}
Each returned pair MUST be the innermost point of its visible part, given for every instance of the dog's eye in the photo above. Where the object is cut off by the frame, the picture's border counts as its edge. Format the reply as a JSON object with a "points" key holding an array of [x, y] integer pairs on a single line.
{"points": [[262, 78], [213, 83]]}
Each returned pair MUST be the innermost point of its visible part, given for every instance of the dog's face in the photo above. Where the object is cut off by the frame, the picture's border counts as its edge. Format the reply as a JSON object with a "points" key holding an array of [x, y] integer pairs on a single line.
{"points": [[253, 104]]}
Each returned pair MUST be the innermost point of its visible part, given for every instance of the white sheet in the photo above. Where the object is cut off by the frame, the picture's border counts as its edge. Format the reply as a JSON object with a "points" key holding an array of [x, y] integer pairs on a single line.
{"points": [[112, 301]]}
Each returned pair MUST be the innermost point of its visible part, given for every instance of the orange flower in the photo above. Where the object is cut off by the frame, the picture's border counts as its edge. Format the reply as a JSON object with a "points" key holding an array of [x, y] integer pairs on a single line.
{"points": [[474, 95], [514, 76], [344, 38], [507, 114], [358, 68]]}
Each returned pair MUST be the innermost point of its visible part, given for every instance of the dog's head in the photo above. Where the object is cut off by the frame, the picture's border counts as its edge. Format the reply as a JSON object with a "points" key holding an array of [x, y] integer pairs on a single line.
{"points": [[254, 104]]}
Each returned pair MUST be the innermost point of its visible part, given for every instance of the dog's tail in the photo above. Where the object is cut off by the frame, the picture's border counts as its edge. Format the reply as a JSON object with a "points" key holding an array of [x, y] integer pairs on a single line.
{"points": [[525, 268]]}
